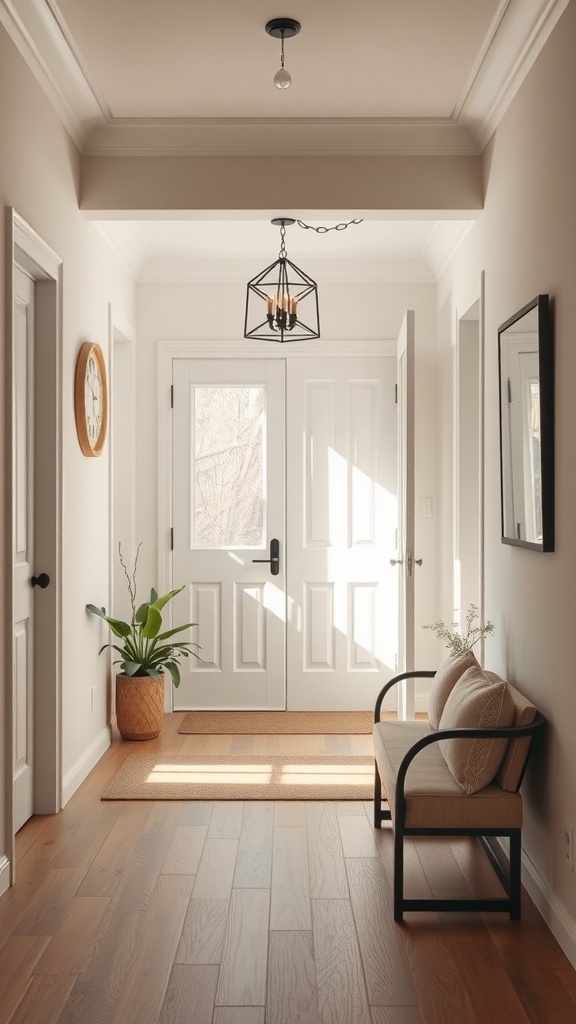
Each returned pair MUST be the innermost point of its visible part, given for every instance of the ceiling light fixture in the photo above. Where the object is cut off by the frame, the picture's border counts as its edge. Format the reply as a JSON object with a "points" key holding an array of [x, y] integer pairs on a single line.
{"points": [[280, 297], [282, 28]]}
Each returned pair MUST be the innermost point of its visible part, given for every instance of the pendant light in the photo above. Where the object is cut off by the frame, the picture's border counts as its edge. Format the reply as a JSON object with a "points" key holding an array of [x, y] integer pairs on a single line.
{"points": [[282, 28], [282, 301]]}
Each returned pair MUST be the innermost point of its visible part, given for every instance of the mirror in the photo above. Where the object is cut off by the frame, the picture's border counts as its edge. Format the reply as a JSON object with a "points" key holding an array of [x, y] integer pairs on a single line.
{"points": [[526, 368]]}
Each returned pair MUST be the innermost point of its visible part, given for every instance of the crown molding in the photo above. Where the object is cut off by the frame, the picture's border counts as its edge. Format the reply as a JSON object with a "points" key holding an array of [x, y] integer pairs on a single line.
{"points": [[355, 270], [40, 39], [518, 32], [314, 136]]}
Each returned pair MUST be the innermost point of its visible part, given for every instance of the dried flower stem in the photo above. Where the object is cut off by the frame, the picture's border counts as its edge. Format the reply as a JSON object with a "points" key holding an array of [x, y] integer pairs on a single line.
{"points": [[131, 579], [454, 640]]}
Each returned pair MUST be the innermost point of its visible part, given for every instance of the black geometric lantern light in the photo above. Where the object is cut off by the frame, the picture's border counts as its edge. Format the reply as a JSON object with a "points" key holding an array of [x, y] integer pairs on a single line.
{"points": [[282, 301]]}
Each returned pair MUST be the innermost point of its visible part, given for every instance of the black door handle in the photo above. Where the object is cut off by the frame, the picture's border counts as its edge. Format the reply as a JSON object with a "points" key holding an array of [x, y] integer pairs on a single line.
{"points": [[274, 560], [41, 581]]}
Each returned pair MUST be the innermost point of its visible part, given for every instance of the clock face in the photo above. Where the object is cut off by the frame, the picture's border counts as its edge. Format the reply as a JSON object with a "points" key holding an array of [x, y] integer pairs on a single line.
{"points": [[93, 395], [91, 399]]}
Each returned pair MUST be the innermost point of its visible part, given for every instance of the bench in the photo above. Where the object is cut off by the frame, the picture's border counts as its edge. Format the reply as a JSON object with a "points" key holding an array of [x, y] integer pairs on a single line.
{"points": [[423, 798]]}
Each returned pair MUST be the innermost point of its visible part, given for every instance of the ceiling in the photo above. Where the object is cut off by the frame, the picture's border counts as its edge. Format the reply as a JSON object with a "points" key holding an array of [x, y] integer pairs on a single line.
{"points": [[134, 77]]}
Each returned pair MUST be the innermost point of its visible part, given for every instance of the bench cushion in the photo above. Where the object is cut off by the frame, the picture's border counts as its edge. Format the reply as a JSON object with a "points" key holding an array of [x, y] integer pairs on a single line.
{"points": [[433, 798], [476, 701]]}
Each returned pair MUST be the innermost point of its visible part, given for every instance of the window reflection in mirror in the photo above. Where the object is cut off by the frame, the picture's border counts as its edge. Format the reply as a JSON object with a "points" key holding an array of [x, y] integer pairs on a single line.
{"points": [[526, 427]]}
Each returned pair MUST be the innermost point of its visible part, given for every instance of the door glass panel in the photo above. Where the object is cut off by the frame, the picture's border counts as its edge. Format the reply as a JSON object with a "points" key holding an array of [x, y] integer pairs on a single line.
{"points": [[228, 478]]}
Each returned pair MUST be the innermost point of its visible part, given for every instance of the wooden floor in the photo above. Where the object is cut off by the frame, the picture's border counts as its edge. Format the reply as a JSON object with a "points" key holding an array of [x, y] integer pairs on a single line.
{"points": [[256, 913]]}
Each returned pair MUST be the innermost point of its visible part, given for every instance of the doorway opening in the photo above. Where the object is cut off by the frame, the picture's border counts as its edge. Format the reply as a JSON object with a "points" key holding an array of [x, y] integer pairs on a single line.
{"points": [[468, 465], [34, 513]]}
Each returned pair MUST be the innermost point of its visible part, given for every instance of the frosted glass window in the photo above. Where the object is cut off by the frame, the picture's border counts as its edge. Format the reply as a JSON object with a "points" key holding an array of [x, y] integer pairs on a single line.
{"points": [[228, 472]]}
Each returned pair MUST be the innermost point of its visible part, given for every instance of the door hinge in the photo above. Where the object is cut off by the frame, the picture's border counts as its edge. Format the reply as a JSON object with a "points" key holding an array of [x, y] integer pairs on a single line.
{"points": [[395, 394], [509, 390], [171, 396], [171, 538]]}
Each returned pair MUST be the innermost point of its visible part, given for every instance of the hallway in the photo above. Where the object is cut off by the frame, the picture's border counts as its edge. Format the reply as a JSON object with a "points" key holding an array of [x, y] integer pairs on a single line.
{"points": [[255, 913]]}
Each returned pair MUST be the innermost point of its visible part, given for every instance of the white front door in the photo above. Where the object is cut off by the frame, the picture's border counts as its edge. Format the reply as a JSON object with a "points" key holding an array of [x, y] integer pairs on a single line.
{"points": [[335, 594], [23, 548], [228, 516], [342, 509]]}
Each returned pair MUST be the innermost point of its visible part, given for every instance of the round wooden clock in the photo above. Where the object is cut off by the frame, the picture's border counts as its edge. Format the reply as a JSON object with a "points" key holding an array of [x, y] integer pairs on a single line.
{"points": [[91, 399]]}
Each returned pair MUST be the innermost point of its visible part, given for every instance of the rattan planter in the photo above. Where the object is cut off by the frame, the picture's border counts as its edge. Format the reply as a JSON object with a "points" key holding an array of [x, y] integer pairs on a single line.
{"points": [[139, 707]]}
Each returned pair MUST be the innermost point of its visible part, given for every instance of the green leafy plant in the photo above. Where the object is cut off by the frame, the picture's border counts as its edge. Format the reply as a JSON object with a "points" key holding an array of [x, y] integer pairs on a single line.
{"points": [[456, 642], [145, 650]]}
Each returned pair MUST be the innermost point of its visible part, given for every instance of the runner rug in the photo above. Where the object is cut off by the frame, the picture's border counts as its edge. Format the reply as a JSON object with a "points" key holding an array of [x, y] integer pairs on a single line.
{"points": [[272, 722], [243, 777]]}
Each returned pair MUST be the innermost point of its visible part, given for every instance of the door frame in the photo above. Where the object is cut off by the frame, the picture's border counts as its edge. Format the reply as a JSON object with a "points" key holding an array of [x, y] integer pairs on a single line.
{"points": [[461, 308], [27, 250], [169, 350]]}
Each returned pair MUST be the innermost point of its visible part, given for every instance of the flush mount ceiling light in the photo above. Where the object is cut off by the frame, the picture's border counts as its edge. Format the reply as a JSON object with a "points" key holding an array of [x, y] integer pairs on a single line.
{"points": [[282, 28], [281, 299]]}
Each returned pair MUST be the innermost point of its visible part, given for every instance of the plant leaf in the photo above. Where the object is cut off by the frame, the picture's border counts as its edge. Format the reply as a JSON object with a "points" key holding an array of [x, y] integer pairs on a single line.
{"points": [[153, 596], [118, 627], [131, 667], [142, 613], [174, 671], [153, 623], [161, 601], [177, 629]]}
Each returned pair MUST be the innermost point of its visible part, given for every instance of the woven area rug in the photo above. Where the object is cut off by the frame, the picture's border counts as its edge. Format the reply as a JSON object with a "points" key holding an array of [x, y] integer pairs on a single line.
{"points": [[243, 777], [272, 722]]}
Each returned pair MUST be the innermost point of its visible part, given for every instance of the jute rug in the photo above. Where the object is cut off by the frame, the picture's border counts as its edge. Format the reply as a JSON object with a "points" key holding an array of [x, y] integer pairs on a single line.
{"points": [[272, 722], [243, 777]]}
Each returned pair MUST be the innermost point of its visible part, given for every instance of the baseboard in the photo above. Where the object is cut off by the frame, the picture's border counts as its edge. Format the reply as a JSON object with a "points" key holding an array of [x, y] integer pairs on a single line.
{"points": [[84, 765], [4, 874], [559, 921]]}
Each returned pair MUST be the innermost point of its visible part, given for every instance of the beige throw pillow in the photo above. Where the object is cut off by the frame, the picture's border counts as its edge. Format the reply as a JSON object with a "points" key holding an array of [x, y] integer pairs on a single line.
{"points": [[444, 681], [476, 701]]}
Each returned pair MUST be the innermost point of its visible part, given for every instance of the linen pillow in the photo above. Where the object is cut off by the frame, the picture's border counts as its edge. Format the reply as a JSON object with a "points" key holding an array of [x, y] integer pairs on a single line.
{"points": [[444, 681], [476, 701]]}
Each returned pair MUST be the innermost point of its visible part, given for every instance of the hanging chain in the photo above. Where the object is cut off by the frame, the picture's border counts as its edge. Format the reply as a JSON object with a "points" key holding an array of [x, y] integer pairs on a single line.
{"points": [[282, 254], [324, 230], [282, 53]]}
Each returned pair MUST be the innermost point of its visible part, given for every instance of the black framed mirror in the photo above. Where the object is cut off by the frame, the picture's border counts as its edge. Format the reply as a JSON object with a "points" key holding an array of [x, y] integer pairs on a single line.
{"points": [[526, 387]]}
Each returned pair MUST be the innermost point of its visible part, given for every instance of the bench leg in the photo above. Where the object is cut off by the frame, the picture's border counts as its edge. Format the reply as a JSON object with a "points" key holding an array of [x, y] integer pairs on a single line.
{"points": [[515, 874], [398, 874], [377, 797]]}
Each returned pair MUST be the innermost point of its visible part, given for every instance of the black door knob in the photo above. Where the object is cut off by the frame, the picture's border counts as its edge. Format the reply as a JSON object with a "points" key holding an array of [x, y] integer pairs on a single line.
{"points": [[41, 581]]}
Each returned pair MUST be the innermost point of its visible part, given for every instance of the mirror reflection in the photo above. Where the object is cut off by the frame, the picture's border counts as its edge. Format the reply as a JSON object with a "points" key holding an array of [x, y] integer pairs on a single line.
{"points": [[526, 427]]}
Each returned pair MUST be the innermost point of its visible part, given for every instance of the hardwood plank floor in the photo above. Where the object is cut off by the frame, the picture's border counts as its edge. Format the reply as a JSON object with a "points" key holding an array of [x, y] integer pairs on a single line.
{"points": [[256, 913]]}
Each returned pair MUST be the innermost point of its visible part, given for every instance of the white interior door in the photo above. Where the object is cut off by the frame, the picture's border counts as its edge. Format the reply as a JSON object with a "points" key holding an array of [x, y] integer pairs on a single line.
{"points": [[405, 561], [341, 519], [23, 549], [228, 507]]}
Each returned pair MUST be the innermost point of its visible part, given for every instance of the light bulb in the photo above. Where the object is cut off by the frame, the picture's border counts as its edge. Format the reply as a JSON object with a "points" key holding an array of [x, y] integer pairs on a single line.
{"points": [[282, 79]]}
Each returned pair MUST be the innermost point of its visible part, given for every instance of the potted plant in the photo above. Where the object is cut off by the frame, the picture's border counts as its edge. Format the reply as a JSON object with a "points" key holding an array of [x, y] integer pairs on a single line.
{"points": [[146, 653]]}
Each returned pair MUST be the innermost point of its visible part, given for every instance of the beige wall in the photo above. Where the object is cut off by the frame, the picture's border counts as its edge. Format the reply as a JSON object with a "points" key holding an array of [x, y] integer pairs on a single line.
{"points": [[39, 177], [526, 244]]}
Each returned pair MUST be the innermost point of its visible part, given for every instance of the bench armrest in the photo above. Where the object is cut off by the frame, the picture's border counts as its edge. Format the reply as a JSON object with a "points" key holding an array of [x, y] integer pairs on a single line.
{"points": [[505, 732], [420, 674]]}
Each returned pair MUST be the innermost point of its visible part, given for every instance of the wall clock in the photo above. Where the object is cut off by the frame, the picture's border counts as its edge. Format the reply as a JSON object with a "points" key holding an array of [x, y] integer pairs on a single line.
{"points": [[91, 399]]}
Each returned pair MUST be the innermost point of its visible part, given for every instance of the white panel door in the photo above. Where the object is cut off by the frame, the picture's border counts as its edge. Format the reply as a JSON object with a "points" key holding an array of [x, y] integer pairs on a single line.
{"points": [[228, 505], [22, 548], [405, 541], [341, 521]]}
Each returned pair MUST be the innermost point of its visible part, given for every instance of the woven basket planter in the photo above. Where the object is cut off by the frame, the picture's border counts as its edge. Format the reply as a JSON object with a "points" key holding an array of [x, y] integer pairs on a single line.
{"points": [[139, 706]]}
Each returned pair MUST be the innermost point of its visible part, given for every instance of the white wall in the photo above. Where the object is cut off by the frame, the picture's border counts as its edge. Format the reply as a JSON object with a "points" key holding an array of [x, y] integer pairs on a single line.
{"points": [[355, 311], [526, 244], [39, 177]]}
